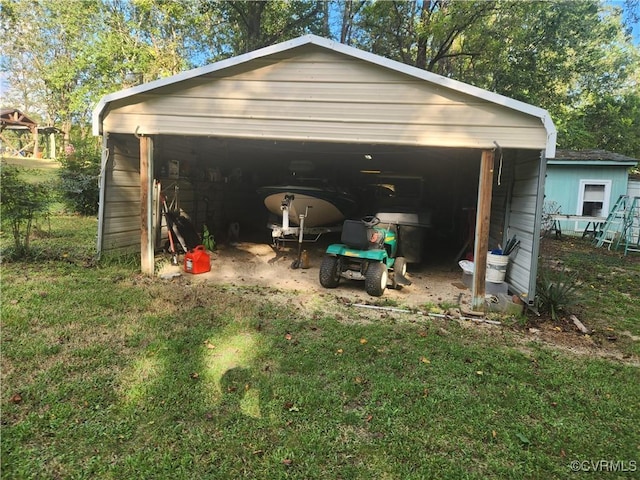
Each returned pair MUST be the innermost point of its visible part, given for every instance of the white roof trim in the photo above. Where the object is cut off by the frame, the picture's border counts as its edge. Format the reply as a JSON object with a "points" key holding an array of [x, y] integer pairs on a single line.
{"points": [[449, 83]]}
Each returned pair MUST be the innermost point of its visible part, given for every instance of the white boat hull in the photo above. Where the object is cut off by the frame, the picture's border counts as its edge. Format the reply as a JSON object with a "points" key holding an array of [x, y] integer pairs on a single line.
{"points": [[318, 212]]}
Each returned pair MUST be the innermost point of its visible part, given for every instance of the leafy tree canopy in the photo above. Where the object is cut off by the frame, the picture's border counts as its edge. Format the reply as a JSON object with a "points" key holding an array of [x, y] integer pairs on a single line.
{"points": [[574, 58]]}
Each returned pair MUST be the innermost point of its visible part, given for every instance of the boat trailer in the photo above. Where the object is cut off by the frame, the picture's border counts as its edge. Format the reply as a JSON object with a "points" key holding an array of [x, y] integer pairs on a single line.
{"points": [[284, 232]]}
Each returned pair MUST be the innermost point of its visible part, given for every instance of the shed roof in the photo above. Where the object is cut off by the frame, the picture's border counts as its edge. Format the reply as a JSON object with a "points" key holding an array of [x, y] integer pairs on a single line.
{"points": [[330, 45], [590, 157]]}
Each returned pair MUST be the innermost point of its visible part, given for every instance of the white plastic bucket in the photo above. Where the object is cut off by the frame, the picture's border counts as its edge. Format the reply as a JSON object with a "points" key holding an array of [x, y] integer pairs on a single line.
{"points": [[496, 267]]}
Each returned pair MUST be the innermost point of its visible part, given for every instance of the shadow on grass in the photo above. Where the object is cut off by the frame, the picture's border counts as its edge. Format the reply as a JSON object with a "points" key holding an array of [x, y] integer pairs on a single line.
{"points": [[122, 376]]}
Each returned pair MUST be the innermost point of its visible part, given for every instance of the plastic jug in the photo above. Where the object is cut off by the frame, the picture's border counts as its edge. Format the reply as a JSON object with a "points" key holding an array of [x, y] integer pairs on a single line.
{"points": [[197, 260]]}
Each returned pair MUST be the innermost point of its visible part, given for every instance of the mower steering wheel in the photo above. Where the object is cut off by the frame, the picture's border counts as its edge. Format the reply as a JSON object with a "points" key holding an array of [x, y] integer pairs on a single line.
{"points": [[370, 221]]}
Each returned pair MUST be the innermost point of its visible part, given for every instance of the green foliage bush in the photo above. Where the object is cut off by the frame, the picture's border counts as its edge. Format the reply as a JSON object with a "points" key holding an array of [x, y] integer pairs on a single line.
{"points": [[21, 202], [79, 175]]}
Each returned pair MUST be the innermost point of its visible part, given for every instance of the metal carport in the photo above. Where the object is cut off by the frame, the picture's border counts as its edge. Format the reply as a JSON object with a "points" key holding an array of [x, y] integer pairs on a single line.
{"points": [[340, 106]]}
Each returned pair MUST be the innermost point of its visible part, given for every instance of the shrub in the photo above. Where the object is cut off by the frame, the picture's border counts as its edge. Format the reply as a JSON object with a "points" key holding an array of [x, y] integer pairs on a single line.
{"points": [[20, 203], [79, 179], [555, 291]]}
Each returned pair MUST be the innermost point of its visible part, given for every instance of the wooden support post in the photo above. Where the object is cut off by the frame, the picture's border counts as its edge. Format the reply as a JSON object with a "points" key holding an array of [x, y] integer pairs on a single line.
{"points": [[36, 142], [52, 145], [146, 175], [483, 222]]}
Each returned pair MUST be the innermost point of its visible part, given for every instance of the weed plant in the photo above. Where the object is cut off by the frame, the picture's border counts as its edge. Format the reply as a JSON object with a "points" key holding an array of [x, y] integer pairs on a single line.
{"points": [[556, 292]]}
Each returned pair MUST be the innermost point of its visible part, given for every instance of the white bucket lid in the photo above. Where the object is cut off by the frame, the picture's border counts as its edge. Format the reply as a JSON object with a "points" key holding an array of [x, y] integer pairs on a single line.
{"points": [[466, 266]]}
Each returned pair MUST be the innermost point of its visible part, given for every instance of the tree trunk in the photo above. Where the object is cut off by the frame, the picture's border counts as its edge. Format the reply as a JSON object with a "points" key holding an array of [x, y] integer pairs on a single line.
{"points": [[254, 25], [421, 54]]}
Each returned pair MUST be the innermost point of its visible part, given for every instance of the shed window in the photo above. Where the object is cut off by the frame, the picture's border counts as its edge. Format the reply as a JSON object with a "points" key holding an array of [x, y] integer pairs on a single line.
{"points": [[593, 198]]}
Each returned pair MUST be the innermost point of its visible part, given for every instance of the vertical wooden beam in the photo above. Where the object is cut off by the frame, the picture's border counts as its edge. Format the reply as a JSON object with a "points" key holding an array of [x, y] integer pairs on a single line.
{"points": [[146, 175], [36, 142], [52, 145], [483, 221]]}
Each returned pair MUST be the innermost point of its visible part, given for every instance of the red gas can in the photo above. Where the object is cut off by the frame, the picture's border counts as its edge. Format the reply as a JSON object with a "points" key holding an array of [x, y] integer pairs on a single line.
{"points": [[197, 260]]}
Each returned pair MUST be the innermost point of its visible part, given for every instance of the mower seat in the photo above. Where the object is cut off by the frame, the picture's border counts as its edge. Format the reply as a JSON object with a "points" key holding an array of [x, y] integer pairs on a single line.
{"points": [[355, 234]]}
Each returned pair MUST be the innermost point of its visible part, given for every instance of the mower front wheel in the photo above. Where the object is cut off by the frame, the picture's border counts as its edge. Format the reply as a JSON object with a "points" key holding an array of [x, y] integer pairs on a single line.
{"points": [[399, 272], [329, 272], [375, 281]]}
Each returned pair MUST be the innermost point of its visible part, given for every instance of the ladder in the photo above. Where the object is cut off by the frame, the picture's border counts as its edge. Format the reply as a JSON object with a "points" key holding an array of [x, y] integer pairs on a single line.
{"points": [[631, 232], [612, 230]]}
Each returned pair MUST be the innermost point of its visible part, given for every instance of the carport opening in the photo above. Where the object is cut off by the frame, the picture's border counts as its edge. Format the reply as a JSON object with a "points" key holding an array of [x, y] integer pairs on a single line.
{"points": [[216, 182]]}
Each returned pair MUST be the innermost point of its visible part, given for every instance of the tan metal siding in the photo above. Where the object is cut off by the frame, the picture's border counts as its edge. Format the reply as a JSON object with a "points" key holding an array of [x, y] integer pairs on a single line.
{"points": [[323, 96], [502, 181], [523, 216], [121, 209]]}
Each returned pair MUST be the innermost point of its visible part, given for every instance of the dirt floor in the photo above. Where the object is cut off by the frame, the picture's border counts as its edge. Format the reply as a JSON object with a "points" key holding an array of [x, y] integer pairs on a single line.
{"points": [[261, 264]]}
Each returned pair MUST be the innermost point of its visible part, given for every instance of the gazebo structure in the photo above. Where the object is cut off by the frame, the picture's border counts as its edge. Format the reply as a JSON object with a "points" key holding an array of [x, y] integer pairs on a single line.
{"points": [[16, 122]]}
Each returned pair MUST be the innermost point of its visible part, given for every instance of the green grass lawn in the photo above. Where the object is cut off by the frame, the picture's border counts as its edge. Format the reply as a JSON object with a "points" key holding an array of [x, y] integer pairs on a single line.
{"points": [[608, 290], [110, 374], [123, 377], [38, 169]]}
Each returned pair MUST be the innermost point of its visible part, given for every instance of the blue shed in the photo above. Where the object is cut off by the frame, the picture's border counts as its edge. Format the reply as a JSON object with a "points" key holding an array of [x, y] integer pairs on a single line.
{"points": [[585, 183]]}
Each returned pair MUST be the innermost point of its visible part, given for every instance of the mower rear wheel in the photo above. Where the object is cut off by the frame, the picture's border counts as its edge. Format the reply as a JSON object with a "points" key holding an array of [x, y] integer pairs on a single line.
{"points": [[375, 281], [329, 272]]}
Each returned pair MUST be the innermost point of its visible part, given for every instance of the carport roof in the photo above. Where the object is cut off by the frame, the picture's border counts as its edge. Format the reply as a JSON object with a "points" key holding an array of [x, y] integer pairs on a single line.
{"points": [[335, 46]]}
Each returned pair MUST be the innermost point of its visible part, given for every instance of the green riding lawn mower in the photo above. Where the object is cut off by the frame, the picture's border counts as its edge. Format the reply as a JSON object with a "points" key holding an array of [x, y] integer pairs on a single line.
{"points": [[367, 252]]}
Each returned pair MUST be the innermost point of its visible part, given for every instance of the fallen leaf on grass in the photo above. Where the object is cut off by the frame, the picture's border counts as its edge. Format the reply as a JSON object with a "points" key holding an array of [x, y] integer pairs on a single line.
{"points": [[425, 360], [369, 418], [523, 439], [339, 351], [194, 375], [16, 398], [494, 434], [479, 372], [363, 341]]}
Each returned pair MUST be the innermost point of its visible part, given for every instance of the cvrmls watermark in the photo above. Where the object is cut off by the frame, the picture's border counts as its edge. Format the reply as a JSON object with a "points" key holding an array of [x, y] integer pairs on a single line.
{"points": [[620, 466]]}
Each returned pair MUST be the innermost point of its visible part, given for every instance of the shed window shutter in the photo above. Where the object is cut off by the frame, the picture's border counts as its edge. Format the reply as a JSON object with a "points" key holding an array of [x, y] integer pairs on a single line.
{"points": [[594, 193]]}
